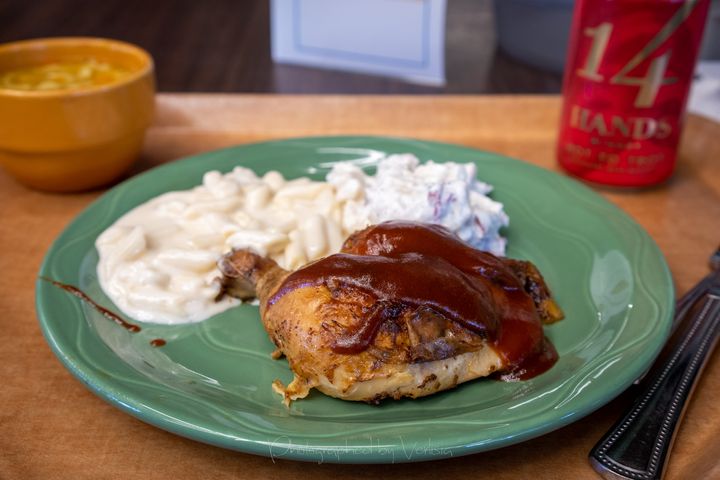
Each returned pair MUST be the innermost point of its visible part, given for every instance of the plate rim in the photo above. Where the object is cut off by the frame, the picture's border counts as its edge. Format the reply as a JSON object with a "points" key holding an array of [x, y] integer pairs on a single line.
{"points": [[127, 402]]}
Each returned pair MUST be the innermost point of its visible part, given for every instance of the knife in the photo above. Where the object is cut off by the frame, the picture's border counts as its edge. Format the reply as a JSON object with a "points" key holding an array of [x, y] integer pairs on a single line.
{"points": [[637, 447]]}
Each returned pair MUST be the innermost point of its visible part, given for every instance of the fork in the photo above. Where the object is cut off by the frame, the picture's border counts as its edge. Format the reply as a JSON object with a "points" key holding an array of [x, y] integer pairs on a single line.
{"points": [[637, 447]]}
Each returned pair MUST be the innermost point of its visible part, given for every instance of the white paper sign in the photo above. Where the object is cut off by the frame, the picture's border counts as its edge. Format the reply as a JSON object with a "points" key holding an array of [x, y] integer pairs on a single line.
{"points": [[397, 38], [705, 91]]}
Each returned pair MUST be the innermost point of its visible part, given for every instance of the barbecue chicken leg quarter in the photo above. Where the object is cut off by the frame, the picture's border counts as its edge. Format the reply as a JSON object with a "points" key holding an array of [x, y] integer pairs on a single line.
{"points": [[405, 310]]}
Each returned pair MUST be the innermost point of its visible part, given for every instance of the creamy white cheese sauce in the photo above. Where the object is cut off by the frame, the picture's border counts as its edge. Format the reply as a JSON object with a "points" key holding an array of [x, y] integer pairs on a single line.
{"points": [[158, 262]]}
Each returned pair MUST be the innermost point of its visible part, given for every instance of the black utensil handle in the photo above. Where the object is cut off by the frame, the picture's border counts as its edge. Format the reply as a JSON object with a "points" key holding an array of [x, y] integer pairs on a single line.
{"points": [[637, 446]]}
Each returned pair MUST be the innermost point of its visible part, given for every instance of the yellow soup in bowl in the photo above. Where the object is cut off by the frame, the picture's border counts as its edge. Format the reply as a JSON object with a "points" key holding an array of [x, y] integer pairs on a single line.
{"points": [[57, 76], [74, 110]]}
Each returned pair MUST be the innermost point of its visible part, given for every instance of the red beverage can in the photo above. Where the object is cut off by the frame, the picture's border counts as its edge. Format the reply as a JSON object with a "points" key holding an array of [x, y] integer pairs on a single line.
{"points": [[627, 77]]}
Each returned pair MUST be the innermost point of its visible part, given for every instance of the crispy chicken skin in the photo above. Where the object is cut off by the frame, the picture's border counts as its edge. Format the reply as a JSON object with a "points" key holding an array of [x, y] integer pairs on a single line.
{"points": [[356, 341]]}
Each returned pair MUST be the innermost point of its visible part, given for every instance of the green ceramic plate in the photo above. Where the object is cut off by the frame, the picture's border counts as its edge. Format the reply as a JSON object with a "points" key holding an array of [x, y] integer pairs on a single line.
{"points": [[211, 382]]}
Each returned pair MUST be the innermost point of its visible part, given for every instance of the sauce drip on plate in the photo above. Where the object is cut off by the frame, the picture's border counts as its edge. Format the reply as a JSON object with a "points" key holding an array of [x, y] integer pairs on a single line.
{"points": [[131, 327]]}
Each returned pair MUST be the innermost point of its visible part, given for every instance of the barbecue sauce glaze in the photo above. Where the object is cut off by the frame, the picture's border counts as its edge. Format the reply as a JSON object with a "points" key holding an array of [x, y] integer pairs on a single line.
{"points": [[408, 265]]}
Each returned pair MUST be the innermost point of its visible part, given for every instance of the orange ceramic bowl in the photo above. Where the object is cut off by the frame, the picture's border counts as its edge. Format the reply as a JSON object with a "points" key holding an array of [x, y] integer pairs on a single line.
{"points": [[76, 138]]}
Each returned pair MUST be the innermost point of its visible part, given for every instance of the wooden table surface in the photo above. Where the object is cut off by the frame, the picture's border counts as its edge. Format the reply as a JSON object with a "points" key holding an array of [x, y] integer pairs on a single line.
{"points": [[53, 427]]}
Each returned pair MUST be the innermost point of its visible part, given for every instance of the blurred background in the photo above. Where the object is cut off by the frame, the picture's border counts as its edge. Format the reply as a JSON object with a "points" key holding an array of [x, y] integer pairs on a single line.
{"points": [[507, 46]]}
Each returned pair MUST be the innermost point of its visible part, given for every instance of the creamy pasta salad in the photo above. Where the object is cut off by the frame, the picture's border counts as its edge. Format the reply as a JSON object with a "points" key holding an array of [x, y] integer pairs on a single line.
{"points": [[158, 262]]}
